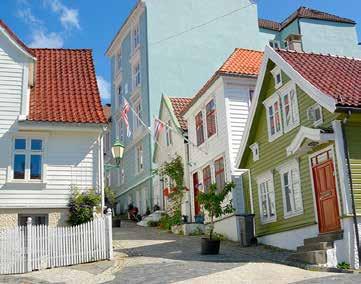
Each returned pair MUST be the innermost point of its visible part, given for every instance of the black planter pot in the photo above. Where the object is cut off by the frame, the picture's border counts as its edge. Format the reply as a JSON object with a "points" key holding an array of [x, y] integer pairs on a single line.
{"points": [[210, 246]]}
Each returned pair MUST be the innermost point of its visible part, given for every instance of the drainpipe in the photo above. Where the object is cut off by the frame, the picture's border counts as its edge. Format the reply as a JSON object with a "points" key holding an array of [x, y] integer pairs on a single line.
{"points": [[357, 233]]}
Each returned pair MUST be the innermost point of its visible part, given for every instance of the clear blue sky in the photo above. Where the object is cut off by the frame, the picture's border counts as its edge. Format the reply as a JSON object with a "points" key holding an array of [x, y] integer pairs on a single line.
{"points": [[93, 23]]}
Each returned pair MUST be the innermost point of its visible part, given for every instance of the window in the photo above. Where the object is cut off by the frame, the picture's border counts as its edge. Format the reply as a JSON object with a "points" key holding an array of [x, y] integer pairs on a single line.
{"points": [[199, 128], [255, 151], [122, 176], [136, 37], [291, 189], [168, 134], [136, 75], [266, 196], [35, 219], [211, 118], [207, 178], [138, 114], [28, 156], [119, 91], [119, 62], [121, 130], [251, 95], [274, 44], [276, 72], [219, 173], [314, 114], [273, 117], [139, 158], [290, 109]]}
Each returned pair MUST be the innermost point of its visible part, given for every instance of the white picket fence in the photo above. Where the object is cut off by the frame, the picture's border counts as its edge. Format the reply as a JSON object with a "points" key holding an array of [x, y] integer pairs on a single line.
{"points": [[28, 248]]}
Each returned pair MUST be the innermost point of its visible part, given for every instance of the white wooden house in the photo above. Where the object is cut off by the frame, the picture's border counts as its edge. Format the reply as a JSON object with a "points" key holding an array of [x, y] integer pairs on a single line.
{"points": [[170, 144], [216, 119], [51, 125]]}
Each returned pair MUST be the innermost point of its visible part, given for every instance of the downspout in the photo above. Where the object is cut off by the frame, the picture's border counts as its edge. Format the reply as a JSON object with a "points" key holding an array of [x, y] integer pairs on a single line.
{"points": [[357, 233], [249, 187]]}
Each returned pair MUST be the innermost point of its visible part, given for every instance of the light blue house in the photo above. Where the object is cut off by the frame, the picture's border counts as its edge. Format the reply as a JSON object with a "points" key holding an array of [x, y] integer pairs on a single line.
{"points": [[172, 48]]}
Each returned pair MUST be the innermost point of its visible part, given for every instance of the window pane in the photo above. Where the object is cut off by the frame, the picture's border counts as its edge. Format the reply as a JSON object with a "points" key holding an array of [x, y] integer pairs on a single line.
{"points": [[19, 167], [36, 145], [20, 144], [288, 192], [35, 167]]}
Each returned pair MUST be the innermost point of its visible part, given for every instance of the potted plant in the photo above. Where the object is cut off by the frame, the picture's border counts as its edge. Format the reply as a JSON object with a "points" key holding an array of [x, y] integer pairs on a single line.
{"points": [[212, 202]]}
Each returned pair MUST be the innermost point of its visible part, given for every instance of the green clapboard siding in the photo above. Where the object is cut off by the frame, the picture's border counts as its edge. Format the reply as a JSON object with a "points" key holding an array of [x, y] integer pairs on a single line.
{"points": [[353, 134], [273, 155]]}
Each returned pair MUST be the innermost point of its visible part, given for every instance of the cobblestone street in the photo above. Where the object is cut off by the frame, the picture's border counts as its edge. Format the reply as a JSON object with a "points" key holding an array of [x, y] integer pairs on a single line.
{"points": [[149, 255]]}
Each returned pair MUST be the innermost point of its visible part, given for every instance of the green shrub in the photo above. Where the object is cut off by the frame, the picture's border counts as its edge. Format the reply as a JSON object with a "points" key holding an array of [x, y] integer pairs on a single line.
{"points": [[166, 221], [344, 265], [81, 206]]}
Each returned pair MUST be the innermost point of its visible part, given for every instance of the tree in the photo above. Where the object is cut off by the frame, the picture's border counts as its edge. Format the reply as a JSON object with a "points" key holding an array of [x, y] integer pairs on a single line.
{"points": [[212, 202]]}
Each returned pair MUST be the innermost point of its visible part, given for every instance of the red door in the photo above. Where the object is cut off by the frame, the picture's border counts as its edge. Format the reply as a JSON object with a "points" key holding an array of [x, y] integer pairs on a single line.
{"points": [[195, 192], [326, 197]]}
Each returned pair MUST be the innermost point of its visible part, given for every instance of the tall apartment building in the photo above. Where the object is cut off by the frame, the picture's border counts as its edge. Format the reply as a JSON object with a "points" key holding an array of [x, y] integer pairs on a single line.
{"points": [[173, 47]]}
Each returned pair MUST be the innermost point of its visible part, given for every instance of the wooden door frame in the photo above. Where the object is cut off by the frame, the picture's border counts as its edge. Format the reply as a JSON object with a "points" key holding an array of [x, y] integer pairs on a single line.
{"points": [[332, 149], [193, 207]]}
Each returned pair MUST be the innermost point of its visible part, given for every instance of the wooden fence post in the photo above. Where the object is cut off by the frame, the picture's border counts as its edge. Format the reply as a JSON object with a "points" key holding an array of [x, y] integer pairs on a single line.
{"points": [[109, 233], [28, 242]]}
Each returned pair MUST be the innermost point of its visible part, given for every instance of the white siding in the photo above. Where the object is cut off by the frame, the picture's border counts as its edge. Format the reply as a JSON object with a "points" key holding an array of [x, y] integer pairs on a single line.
{"points": [[69, 161], [166, 153], [238, 104]]}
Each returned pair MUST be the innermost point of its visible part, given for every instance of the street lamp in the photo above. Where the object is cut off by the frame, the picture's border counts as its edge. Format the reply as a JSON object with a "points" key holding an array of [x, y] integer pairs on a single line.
{"points": [[117, 151]]}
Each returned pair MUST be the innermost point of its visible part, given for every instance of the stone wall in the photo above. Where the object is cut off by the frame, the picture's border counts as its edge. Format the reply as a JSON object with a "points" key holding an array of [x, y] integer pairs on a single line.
{"points": [[56, 217]]}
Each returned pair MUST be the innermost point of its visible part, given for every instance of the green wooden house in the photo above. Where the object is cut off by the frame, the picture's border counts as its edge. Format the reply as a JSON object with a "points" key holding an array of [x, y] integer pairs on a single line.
{"points": [[301, 156]]}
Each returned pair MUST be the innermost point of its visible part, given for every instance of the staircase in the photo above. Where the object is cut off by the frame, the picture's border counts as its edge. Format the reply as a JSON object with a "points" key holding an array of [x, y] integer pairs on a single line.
{"points": [[314, 250]]}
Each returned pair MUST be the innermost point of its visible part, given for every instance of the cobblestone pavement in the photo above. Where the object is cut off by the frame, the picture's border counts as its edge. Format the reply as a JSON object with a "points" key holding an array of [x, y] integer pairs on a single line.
{"points": [[155, 256], [149, 255]]}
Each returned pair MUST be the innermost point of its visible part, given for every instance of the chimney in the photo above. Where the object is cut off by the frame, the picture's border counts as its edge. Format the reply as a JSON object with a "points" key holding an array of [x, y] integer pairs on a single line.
{"points": [[294, 42]]}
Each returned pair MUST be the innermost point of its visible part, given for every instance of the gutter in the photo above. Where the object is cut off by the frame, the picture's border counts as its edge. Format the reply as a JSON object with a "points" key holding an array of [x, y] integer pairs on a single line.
{"points": [[357, 233]]}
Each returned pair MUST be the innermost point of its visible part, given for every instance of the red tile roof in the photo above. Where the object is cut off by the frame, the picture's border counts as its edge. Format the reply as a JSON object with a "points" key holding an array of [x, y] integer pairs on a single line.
{"points": [[268, 24], [306, 13], [242, 62], [65, 87], [179, 104], [337, 77], [15, 38]]}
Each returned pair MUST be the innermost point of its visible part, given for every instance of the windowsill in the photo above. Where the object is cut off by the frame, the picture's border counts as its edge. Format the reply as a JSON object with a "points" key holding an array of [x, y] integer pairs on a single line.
{"points": [[264, 222], [274, 137], [293, 214], [18, 185], [290, 128]]}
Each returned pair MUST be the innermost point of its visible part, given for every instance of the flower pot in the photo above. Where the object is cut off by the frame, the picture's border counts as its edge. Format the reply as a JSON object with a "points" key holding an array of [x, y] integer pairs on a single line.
{"points": [[210, 246]]}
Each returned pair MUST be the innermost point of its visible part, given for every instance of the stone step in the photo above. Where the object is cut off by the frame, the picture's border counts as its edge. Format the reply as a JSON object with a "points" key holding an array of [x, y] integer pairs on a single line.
{"points": [[310, 257], [329, 237], [315, 246]]}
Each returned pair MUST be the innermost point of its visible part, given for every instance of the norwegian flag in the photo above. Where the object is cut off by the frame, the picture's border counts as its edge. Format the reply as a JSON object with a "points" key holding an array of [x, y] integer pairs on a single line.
{"points": [[158, 128], [124, 115]]}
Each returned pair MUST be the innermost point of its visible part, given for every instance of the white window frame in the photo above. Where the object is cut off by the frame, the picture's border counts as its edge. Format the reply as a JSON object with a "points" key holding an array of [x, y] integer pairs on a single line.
{"points": [[135, 37], [139, 158], [118, 64], [268, 179], [27, 152], [275, 44], [315, 122], [294, 110], [136, 75], [268, 103], [291, 167], [168, 134], [255, 151], [138, 108], [277, 72]]}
